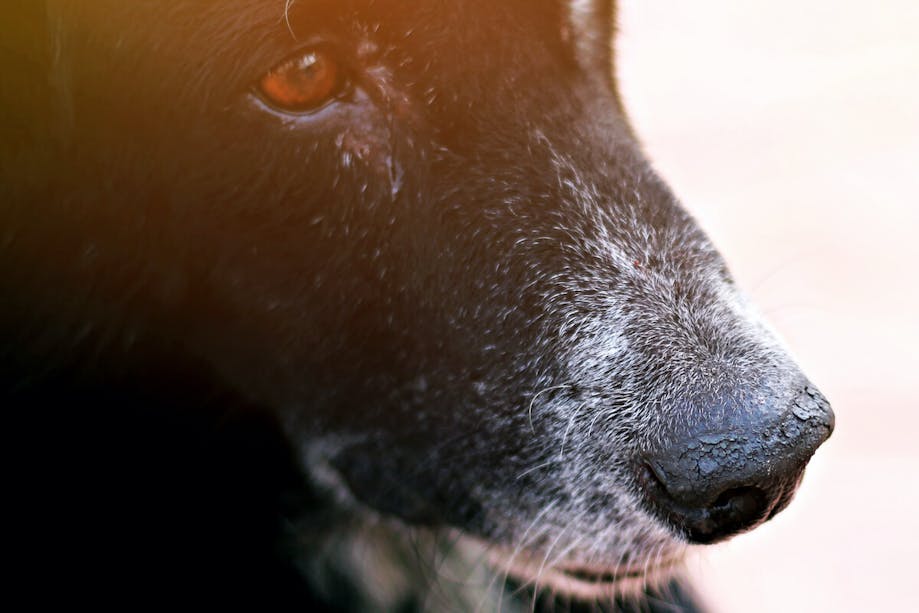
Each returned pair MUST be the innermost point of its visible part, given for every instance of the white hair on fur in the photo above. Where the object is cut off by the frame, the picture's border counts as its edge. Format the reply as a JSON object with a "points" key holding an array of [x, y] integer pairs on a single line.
{"points": [[610, 382], [633, 355]]}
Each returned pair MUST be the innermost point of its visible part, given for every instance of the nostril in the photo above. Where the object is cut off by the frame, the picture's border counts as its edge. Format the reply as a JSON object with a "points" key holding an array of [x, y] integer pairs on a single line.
{"points": [[738, 508], [733, 511], [740, 500]]}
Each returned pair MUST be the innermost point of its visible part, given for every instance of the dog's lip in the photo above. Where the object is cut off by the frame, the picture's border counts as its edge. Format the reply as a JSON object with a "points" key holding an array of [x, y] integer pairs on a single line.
{"points": [[600, 575], [580, 579]]}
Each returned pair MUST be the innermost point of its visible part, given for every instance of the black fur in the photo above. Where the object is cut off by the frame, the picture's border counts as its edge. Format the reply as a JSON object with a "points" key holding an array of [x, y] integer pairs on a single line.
{"points": [[207, 302]]}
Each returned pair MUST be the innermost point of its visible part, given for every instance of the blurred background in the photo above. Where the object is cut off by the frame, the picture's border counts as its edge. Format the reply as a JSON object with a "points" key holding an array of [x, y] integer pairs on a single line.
{"points": [[791, 130]]}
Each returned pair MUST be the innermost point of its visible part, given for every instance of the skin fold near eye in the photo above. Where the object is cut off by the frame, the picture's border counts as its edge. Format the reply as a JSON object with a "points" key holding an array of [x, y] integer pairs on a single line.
{"points": [[303, 83]]}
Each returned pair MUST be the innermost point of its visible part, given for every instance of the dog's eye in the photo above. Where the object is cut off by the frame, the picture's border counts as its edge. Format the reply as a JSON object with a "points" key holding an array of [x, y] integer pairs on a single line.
{"points": [[303, 83]]}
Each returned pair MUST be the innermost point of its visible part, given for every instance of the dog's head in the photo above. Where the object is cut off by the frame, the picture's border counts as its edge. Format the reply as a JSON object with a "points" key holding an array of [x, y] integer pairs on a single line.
{"points": [[425, 235]]}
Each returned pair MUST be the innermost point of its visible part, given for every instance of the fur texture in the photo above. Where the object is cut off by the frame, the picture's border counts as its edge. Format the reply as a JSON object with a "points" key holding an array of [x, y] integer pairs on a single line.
{"points": [[420, 335]]}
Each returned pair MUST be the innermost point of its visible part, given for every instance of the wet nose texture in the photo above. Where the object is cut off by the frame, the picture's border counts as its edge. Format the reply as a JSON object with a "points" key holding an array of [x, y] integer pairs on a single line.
{"points": [[711, 485]]}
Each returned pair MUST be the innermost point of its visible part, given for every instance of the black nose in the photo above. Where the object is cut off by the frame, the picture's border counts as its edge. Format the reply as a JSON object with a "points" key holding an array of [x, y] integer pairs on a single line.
{"points": [[712, 484]]}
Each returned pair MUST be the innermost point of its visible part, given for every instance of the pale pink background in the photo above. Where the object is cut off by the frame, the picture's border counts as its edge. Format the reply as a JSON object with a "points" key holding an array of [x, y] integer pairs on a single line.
{"points": [[790, 128]]}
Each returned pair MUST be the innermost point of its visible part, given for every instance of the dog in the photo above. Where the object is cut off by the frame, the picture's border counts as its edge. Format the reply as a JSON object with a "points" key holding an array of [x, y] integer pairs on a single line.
{"points": [[365, 305]]}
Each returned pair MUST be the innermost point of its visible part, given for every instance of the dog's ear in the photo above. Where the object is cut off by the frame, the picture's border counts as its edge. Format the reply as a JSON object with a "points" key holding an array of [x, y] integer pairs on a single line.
{"points": [[591, 25]]}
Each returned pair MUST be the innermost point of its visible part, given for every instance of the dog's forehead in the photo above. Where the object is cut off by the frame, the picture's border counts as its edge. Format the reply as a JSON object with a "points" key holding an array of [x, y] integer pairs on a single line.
{"points": [[393, 12], [504, 35], [449, 20], [460, 28]]}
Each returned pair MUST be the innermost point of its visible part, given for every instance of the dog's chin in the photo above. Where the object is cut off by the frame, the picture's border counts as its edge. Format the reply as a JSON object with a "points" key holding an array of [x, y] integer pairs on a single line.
{"points": [[588, 582]]}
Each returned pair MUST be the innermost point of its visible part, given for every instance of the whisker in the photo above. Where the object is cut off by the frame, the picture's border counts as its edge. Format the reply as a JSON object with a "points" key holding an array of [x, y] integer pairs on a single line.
{"points": [[571, 420], [536, 396]]}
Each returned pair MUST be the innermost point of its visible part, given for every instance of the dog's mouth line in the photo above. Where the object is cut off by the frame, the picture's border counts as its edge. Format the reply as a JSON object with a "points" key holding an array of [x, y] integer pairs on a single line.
{"points": [[600, 577], [582, 579]]}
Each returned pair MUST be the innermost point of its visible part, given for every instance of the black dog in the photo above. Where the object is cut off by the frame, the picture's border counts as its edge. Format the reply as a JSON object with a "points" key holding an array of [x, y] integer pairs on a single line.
{"points": [[364, 304]]}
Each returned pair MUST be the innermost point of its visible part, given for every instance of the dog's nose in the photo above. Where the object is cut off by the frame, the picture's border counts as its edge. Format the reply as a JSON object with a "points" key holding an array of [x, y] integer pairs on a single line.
{"points": [[712, 484]]}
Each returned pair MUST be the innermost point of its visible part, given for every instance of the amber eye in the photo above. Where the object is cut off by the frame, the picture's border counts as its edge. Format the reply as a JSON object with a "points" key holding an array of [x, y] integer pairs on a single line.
{"points": [[303, 83]]}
